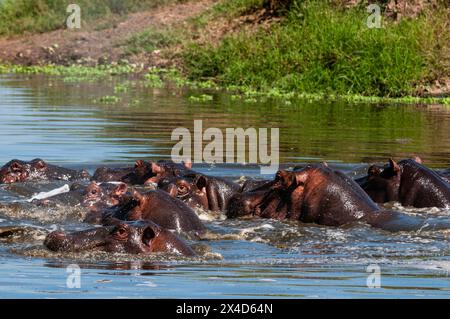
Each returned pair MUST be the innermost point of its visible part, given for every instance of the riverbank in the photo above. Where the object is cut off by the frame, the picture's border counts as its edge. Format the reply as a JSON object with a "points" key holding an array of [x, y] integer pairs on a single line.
{"points": [[312, 50]]}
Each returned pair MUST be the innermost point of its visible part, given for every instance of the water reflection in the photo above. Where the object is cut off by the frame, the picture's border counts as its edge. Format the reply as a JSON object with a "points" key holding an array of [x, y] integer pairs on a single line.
{"points": [[48, 118], [59, 121]]}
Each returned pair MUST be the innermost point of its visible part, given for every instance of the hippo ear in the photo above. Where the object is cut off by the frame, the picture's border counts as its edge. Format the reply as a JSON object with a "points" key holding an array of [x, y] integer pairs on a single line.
{"points": [[39, 164], [279, 175], [301, 177], [156, 169], [325, 164], [16, 166], [417, 159], [394, 165], [139, 163], [188, 164]]}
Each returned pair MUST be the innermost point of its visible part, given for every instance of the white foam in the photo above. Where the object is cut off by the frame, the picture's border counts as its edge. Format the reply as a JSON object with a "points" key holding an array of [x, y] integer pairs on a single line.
{"points": [[57, 191]]}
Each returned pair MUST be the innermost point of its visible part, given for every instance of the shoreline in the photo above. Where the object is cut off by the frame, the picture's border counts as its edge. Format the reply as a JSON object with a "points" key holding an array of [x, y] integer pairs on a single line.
{"points": [[157, 78]]}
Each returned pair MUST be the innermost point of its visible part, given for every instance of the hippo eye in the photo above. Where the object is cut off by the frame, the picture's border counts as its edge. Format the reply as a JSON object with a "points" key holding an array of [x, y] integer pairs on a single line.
{"points": [[121, 233], [183, 189]]}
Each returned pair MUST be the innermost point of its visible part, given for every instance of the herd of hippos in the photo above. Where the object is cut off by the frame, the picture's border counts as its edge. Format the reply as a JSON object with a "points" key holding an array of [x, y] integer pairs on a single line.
{"points": [[150, 221]]}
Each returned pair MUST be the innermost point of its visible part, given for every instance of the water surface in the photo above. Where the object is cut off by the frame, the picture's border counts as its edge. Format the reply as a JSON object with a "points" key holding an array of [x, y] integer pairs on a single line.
{"points": [[58, 121]]}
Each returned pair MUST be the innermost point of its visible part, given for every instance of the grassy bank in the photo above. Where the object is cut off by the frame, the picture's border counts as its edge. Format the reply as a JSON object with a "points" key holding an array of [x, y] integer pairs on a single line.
{"points": [[322, 48], [315, 50], [130, 75], [19, 16]]}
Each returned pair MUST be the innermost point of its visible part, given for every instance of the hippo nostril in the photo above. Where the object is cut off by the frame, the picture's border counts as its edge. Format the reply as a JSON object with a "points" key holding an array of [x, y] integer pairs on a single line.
{"points": [[148, 236], [55, 240]]}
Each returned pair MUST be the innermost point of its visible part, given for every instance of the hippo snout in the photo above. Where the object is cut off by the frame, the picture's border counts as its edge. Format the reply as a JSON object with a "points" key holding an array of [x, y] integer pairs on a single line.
{"points": [[56, 241]]}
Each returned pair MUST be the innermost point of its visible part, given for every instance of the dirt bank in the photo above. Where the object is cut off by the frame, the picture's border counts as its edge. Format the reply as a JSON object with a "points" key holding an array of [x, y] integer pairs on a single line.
{"points": [[90, 45]]}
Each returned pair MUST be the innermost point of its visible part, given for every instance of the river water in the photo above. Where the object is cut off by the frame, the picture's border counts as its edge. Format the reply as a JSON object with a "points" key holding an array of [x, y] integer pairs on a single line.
{"points": [[59, 121]]}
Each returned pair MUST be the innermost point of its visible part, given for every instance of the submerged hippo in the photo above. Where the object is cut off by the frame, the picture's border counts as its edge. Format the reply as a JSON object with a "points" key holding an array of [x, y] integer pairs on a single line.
{"points": [[184, 189], [157, 206], [139, 237], [318, 194], [168, 169], [79, 194], [408, 182], [208, 192], [36, 170], [141, 173]]}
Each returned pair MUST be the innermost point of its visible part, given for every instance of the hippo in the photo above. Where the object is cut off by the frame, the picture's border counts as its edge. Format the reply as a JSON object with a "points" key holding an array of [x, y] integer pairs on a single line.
{"points": [[184, 189], [142, 173], [108, 174], [209, 192], [157, 206], [168, 169], [137, 237], [37, 170], [408, 182], [79, 194], [321, 195], [252, 184]]}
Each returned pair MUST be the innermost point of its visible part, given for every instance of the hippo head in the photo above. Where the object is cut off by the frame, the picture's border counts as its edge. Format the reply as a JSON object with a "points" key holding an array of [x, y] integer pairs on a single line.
{"points": [[128, 204], [383, 183], [192, 192], [104, 193], [20, 171], [117, 193], [268, 200], [167, 169], [93, 193], [138, 237], [139, 174]]}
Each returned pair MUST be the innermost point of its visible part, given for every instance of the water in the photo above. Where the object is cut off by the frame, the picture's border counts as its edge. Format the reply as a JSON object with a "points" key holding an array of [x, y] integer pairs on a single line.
{"points": [[59, 122]]}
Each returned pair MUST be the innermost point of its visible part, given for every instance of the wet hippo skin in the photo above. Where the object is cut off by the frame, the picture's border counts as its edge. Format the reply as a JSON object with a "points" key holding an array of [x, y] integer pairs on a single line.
{"points": [[141, 173], [318, 194], [184, 189], [139, 237], [36, 170], [408, 182], [159, 207]]}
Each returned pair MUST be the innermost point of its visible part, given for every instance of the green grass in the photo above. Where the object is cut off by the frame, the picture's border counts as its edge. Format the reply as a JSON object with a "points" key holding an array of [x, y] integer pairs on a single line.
{"points": [[19, 16], [108, 99], [152, 39], [73, 70], [320, 48]]}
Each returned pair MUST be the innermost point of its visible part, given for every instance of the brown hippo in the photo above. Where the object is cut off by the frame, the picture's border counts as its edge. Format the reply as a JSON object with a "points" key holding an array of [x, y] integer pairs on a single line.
{"points": [[408, 182], [319, 194], [36, 170], [169, 169], [157, 206], [208, 192], [252, 184], [79, 194], [184, 189], [141, 173], [138, 237]]}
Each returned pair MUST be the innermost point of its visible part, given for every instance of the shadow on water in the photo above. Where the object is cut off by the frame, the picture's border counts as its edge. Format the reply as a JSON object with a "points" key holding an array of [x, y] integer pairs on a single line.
{"points": [[46, 117]]}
